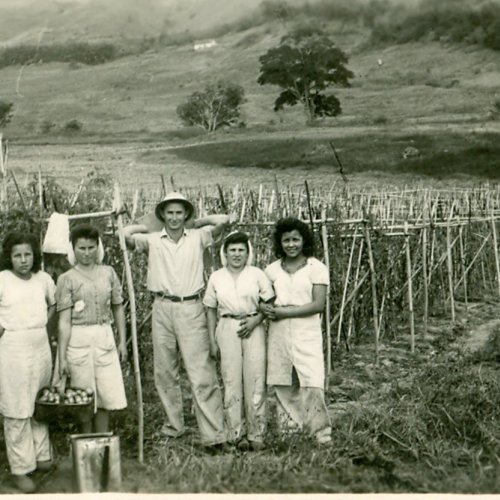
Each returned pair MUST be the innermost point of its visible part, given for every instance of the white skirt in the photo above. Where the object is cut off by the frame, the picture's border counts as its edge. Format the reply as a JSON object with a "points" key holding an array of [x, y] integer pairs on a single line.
{"points": [[25, 367]]}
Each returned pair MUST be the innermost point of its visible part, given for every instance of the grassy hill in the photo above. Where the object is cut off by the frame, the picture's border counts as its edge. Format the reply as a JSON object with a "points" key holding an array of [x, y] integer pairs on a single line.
{"points": [[422, 87], [139, 93]]}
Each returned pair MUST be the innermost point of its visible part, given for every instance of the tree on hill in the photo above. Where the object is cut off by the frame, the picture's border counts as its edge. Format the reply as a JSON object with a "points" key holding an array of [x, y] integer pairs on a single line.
{"points": [[305, 64], [216, 106], [5, 113]]}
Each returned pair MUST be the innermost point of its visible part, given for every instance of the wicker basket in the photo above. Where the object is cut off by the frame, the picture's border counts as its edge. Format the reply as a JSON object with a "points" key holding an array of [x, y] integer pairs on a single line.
{"points": [[50, 412]]}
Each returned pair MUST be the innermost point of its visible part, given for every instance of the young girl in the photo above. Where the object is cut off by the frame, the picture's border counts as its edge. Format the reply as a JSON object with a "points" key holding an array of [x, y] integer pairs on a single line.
{"points": [[88, 297], [234, 325], [295, 350], [26, 305]]}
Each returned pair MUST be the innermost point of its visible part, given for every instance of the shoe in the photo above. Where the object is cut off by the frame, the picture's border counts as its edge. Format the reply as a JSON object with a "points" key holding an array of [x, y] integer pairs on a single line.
{"points": [[44, 465], [24, 483], [218, 449], [257, 445], [324, 441], [243, 444]]}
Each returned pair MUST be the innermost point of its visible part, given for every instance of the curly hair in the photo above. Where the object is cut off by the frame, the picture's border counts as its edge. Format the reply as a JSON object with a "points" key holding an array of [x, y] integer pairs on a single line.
{"points": [[288, 225], [19, 238], [237, 237], [85, 231]]}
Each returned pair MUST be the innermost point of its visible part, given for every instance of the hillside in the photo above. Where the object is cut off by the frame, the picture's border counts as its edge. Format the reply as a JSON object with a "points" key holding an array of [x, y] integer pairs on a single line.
{"points": [[139, 94]]}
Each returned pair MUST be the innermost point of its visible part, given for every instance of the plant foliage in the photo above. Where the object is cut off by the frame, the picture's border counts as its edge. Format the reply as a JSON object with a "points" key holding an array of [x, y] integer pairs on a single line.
{"points": [[5, 112], [305, 64], [218, 105]]}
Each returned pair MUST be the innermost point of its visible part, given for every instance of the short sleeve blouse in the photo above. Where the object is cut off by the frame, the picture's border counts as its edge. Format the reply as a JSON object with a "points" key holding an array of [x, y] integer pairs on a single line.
{"points": [[240, 295], [24, 303], [296, 289], [90, 299]]}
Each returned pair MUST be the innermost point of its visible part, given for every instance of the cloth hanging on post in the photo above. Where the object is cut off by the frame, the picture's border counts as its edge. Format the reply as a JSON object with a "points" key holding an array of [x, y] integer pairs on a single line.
{"points": [[57, 236]]}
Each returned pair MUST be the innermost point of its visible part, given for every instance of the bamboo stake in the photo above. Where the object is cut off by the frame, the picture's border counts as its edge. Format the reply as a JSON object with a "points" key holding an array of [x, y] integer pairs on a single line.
{"points": [[495, 249], [133, 324], [356, 278], [425, 283], [374, 290], [449, 260], [324, 235], [462, 264], [40, 190], [346, 285], [21, 197], [410, 289]]}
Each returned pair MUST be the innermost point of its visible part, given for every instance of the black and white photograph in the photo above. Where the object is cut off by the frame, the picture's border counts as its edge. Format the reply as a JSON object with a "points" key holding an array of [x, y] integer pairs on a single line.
{"points": [[250, 247]]}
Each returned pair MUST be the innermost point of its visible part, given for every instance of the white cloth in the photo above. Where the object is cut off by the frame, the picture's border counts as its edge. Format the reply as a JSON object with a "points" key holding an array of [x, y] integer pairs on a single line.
{"points": [[57, 236], [93, 363], [296, 342], [25, 367], [238, 295], [27, 441], [23, 303]]}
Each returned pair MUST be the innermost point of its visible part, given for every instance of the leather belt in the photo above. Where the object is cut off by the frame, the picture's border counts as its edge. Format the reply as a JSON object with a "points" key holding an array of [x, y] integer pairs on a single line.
{"points": [[239, 316], [175, 298]]}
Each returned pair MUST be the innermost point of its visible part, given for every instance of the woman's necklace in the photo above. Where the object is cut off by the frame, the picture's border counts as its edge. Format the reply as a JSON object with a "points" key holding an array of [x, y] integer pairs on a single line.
{"points": [[294, 266]]}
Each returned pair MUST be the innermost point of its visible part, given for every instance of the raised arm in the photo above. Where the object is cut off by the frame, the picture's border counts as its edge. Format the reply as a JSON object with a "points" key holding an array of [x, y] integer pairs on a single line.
{"points": [[129, 232], [219, 222]]}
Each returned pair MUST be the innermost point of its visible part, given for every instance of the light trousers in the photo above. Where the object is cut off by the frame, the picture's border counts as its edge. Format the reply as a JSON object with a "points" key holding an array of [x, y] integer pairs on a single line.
{"points": [[243, 366], [26, 441], [303, 408], [182, 327]]}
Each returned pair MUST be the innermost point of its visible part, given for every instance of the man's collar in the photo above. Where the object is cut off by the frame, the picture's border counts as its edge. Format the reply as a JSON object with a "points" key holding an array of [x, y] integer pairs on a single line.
{"points": [[163, 233]]}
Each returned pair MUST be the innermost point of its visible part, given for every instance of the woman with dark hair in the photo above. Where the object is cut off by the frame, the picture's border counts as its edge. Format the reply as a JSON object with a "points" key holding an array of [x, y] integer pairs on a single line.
{"points": [[295, 348], [89, 298], [26, 305], [234, 326]]}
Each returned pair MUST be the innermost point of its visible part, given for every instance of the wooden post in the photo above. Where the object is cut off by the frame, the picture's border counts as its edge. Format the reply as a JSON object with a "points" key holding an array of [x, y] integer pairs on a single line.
{"points": [[425, 283], [133, 323], [374, 288], [3, 177], [410, 287], [356, 279], [495, 248], [462, 264], [324, 236], [346, 285], [449, 260]]}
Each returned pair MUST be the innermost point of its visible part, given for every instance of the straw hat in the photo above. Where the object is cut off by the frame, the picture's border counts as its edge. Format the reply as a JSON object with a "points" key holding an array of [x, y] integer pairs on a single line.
{"points": [[174, 197]]}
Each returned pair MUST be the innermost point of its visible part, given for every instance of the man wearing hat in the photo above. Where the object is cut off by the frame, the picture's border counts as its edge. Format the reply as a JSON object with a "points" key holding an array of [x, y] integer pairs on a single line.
{"points": [[175, 277]]}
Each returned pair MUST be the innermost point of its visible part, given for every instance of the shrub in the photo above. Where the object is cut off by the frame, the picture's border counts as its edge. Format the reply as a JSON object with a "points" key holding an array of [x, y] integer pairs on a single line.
{"points": [[5, 112], [47, 126], [86, 53], [216, 106], [73, 126]]}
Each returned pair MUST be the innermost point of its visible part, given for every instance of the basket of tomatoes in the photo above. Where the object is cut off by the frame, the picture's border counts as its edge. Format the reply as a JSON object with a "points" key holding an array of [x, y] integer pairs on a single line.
{"points": [[59, 401]]}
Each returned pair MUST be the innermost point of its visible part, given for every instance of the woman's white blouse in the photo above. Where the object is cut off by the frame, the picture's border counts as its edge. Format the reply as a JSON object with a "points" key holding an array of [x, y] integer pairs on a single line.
{"points": [[240, 294]]}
